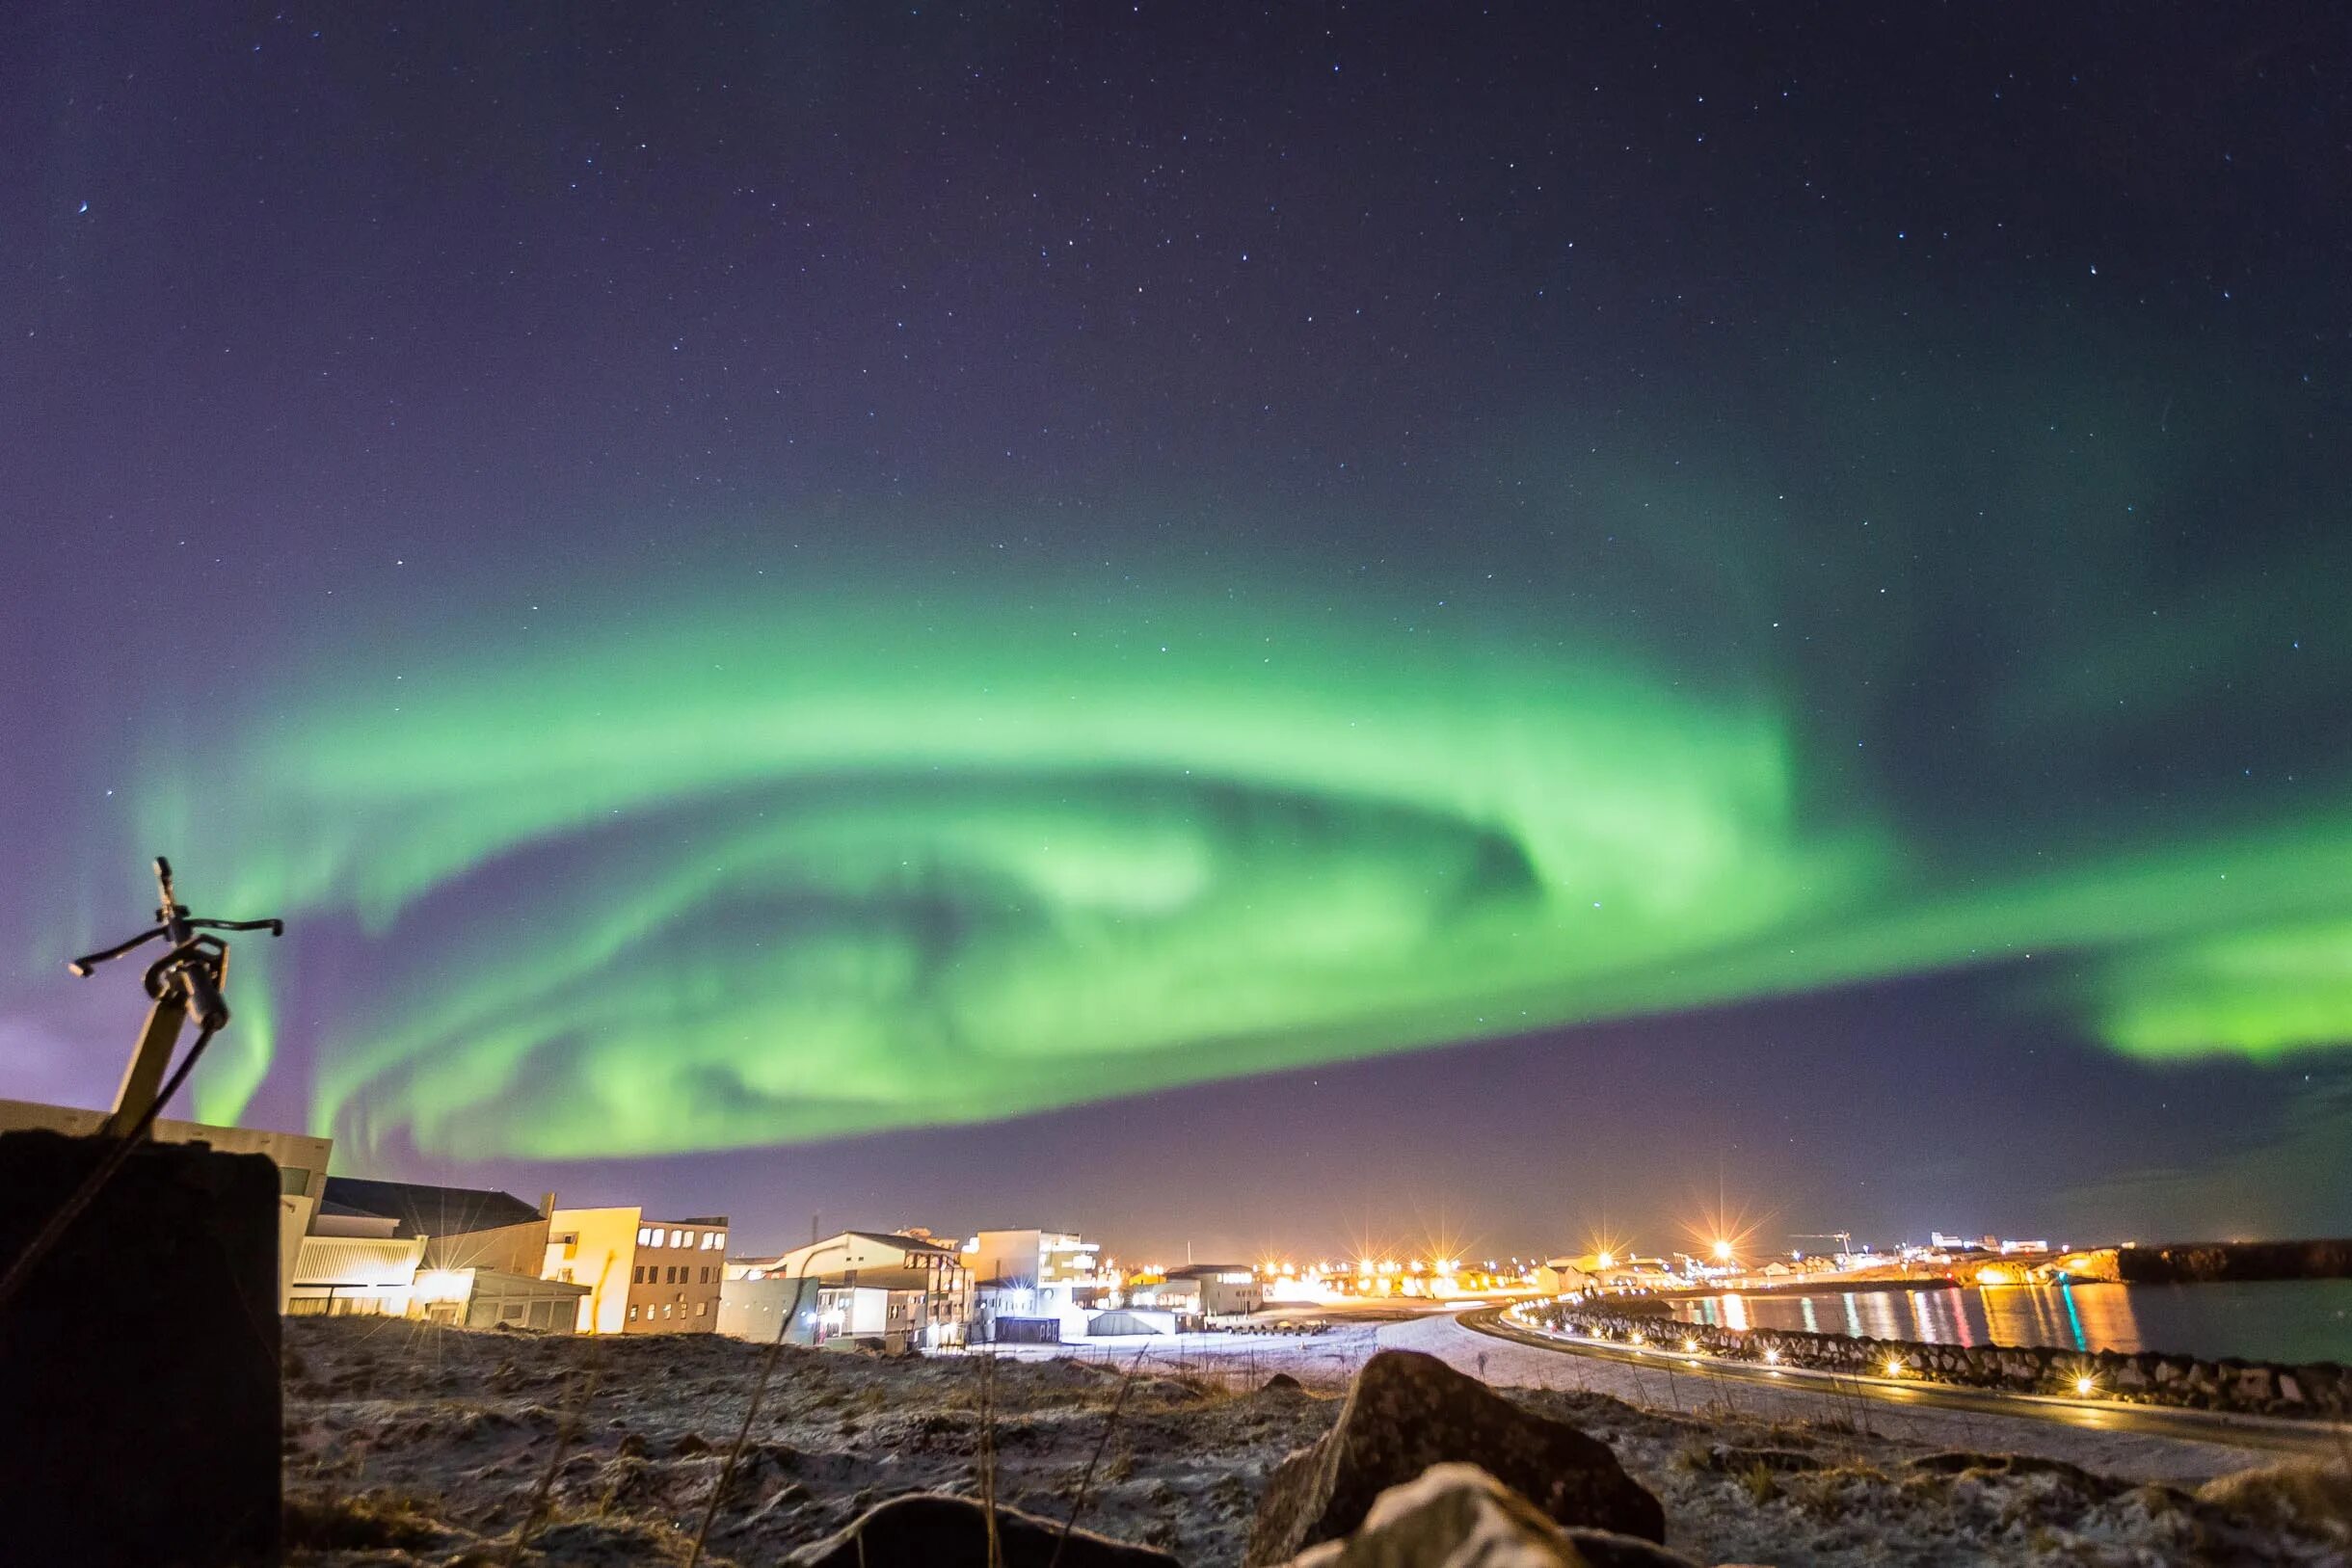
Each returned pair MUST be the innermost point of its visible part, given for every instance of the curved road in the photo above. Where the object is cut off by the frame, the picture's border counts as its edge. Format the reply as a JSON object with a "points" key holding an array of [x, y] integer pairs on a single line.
{"points": [[2143, 1442]]}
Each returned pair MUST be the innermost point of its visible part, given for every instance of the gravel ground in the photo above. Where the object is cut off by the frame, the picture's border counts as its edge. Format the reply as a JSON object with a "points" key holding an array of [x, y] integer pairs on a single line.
{"points": [[408, 1444]]}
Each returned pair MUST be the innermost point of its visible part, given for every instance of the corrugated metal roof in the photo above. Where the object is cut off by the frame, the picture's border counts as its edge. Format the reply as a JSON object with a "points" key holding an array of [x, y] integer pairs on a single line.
{"points": [[357, 1259]]}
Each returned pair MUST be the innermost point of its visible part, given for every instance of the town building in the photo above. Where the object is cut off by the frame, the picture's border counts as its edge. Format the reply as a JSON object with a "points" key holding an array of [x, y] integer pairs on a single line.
{"points": [[644, 1276], [481, 1252], [355, 1263], [1033, 1285], [301, 1160], [889, 1288], [1567, 1276], [1201, 1294]]}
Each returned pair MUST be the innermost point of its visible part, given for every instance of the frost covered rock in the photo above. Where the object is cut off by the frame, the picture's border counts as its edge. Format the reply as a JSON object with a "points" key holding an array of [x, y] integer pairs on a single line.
{"points": [[1457, 1516], [2308, 1497], [1960, 1462], [931, 1529], [1408, 1411]]}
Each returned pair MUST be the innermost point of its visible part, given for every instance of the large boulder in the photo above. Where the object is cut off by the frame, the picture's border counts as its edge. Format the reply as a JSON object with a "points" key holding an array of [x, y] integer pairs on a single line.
{"points": [[2312, 1497], [1457, 1516], [1408, 1411], [931, 1529]]}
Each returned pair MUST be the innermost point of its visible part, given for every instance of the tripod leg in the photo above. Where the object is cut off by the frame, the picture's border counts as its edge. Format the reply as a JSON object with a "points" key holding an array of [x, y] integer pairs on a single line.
{"points": [[145, 1074]]}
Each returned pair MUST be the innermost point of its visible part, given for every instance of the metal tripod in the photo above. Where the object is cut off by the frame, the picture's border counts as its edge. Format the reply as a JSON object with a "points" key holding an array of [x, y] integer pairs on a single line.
{"points": [[187, 980]]}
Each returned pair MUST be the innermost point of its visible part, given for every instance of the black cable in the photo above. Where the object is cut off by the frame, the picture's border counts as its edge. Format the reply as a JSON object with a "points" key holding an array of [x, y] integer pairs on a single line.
{"points": [[43, 1245]]}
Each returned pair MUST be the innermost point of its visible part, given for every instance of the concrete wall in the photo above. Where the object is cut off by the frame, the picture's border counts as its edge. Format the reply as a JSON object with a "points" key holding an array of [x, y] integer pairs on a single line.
{"points": [[599, 1258], [510, 1249], [141, 1417], [754, 1308]]}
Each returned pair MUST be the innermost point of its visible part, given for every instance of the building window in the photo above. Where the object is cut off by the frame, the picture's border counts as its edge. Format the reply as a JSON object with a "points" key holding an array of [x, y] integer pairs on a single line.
{"points": [[633, 1312], [636, 1275], [701, 1309], [642, 1237]]}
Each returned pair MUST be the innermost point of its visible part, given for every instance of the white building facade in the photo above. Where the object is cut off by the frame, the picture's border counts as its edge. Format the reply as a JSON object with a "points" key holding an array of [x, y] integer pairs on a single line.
{"points": [[1034, 1278]]}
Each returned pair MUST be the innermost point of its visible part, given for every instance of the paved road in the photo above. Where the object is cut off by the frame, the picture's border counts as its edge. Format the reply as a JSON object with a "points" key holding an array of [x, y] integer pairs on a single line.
{"points": [[2135, 1441]]}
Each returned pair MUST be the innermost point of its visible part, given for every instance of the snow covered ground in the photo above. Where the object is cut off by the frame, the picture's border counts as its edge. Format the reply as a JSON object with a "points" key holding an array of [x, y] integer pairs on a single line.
{"points": [[1235, 1363], [410, 1444]]}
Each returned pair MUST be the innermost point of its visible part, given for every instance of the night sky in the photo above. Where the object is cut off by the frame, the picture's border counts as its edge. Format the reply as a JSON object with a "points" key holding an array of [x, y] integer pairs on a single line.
{"points": [[1279, 628]]}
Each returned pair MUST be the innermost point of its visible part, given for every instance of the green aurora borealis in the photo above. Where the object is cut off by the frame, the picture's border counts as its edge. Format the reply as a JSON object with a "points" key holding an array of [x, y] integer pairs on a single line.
{"points": [[801, 864], [747, 575]]}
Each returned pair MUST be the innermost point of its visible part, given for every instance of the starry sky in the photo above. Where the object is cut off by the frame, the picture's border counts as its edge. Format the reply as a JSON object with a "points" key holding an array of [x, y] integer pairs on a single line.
{"points": [[1278, 629]]}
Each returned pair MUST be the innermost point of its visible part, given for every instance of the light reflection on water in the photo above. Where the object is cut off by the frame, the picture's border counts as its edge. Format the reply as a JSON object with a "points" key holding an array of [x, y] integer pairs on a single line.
{"points": [[2281, 1320]]}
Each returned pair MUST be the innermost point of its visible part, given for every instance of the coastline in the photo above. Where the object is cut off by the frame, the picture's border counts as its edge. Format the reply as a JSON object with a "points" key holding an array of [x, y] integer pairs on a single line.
{"points": [[2313, 1390]]}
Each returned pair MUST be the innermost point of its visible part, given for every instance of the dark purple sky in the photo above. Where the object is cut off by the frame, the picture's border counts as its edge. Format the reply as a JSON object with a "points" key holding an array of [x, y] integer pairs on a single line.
{"points": [[1879, 479]]}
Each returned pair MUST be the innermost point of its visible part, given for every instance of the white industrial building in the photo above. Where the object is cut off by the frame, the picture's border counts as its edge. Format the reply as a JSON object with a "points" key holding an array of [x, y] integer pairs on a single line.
{"points": [[897, 1291], [1033, 1285]]}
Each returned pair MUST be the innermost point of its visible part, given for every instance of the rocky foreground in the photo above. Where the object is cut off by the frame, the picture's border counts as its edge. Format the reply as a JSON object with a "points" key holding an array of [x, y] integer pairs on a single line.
{"points": [[408, 1444]]}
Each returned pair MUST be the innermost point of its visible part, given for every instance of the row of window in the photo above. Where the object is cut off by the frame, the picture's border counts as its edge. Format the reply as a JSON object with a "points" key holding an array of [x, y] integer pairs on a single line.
{"points": [[701, 1309], [673, 1274], [657, 1235]]}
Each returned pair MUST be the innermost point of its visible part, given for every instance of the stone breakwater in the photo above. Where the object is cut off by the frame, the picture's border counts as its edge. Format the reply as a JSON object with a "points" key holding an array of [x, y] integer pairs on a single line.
{"points": [[2316, 1390], [2202, 1263]]}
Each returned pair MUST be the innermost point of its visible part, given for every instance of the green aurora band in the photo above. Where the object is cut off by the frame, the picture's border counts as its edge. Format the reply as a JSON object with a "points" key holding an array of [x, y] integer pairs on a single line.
{"points": [[800, 867]]}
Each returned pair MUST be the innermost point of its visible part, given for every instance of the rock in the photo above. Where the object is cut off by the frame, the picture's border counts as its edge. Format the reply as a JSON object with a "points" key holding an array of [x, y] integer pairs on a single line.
{"points": [[2310, 1496], [1736, 1461], [1282, 1383], [1457, 1516], [1407, 1411], [2021, 1464], [929, 1529], [1606, 1548]]}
